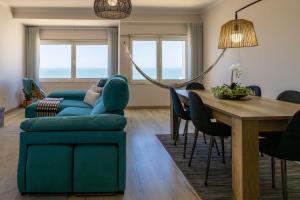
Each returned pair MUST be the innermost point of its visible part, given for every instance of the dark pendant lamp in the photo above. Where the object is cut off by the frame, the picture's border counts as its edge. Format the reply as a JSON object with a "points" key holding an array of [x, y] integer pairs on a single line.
{"points": [[112, 9], [238, 33]]}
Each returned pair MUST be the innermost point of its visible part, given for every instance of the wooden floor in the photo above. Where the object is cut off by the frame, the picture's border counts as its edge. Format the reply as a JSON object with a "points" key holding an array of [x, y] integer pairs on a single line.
{"points": [[151, 173]]}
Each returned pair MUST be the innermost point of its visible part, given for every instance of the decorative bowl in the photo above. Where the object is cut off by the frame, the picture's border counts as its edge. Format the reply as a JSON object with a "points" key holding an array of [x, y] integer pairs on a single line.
{"points": [[233, 92]]}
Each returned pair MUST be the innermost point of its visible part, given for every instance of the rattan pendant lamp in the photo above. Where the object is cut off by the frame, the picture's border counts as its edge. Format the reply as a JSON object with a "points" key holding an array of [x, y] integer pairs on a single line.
{"points": [[238, 33], [112, 9]]}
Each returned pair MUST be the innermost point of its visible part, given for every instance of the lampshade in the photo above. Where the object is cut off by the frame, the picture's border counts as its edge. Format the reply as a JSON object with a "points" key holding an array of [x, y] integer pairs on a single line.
{"points": [[112, 9], [237, 33]]}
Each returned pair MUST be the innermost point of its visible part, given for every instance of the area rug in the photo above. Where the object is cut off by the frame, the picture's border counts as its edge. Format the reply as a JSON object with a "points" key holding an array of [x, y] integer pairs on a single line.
{"points": [[219, 180]]}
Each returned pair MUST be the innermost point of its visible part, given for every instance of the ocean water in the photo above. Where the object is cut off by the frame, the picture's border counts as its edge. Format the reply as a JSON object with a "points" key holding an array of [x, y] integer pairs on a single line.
{"points": [[80, 73], [167, 73]]}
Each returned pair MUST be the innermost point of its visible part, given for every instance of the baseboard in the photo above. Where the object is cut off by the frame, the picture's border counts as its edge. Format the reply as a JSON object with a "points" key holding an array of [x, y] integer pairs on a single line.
{"points": [[12, 109], [146, 107]]}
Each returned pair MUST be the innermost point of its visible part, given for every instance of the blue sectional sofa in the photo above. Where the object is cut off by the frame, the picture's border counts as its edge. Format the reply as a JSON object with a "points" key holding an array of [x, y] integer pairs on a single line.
{"points": [[113, 100], [82, 150]]}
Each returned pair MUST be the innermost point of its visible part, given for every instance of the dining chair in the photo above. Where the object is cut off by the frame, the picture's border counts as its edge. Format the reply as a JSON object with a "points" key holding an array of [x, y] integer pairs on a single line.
{"points": [[287, 96], [255, 89], [181, 114], [285, 147], [203, 122], [195, 86]]}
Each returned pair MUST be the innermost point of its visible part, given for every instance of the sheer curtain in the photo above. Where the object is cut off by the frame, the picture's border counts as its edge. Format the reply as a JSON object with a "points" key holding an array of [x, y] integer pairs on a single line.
{"points": [[33, 53], [112, 51], [195, 50]]}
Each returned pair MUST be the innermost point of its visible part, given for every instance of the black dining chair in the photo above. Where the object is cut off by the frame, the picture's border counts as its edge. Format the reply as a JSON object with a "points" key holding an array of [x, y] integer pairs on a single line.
{"points": [[195, 86], [203, 122], [285, 147], [255, 89], [287, 96], [181, 114]]}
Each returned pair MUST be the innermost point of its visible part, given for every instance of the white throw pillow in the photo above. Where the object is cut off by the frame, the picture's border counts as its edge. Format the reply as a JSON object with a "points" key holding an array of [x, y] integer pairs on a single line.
{"points": [[95, 88], [91, 97]]}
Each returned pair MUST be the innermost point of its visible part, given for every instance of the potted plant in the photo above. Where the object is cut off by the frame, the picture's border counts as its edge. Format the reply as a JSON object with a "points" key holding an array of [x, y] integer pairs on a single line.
{"points": [[234, 91]]}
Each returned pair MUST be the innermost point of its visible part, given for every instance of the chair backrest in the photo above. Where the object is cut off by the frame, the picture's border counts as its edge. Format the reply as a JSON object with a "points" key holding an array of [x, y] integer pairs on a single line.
{"points": [[177, 105], [255, 89], [290, 140], [290, 96], [195, 86], [199, 115]]}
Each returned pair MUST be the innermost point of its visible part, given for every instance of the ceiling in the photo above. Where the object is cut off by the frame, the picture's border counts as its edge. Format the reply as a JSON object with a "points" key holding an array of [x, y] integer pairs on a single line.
{"points": [[187, 5]]}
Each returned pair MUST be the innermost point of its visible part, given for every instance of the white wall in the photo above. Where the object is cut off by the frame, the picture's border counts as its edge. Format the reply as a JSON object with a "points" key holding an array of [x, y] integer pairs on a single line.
{"points": [[144, 95], [12, 59], [274, 65]]}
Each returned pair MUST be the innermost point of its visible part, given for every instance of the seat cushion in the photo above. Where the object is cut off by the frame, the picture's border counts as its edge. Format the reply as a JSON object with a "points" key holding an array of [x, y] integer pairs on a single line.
{"points": [[30, 111], [74, 103], [74, 111]]}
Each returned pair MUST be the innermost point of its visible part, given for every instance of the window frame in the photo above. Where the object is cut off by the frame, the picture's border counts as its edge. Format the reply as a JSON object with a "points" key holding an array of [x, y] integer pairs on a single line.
{"points": [[159, 39], [73, 44]]}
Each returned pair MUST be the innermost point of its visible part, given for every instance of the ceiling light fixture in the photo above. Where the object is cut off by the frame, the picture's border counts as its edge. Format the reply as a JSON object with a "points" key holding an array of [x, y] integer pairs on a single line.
{"points": [[113, 9]]}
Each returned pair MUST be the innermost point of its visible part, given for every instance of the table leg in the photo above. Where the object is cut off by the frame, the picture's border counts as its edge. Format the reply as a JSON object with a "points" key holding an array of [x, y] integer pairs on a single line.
{"points": [[245, 160], [173, 120]]}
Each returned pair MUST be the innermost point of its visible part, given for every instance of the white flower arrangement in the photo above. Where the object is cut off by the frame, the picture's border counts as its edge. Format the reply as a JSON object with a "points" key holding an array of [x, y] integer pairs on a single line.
{"points": [[235, 70]]}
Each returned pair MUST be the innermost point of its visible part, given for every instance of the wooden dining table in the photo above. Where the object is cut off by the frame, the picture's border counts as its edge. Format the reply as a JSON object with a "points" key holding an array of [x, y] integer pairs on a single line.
{"points": [[247, 118]]}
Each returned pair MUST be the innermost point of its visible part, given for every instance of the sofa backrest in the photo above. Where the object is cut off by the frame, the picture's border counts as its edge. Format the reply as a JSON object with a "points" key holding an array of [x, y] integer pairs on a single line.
{"points": [[115, 96]]}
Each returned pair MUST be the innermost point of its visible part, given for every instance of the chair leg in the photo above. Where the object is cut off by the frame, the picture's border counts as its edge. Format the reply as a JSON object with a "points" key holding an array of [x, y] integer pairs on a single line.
{"points": [[284, 180], [211, 144], [194, 146], [217, 147], [204, 137], [177, 131], [185, 136], [273, 171], [223, 150]]}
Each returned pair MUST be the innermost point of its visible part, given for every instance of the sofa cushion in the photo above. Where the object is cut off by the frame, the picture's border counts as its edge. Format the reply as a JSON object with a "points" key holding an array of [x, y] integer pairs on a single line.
{"points": [[74, 111], [68, 94], [73, 103], [99, 108], [30, 111], [104, 122], [115, 94]]}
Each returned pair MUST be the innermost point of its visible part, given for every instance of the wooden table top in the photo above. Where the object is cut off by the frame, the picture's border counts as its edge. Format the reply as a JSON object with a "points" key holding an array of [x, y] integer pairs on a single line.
{"points": [[258, 108]]}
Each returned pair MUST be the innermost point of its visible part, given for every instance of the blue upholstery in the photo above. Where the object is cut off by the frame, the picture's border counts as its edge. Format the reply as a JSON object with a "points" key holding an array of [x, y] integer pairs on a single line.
{"points": [[114, 99], [74, 111], [82, 149], [68, 94]]}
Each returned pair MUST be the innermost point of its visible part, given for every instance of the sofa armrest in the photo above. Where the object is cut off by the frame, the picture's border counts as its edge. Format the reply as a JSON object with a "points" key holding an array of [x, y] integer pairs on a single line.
{"points": [[104, 122], [69, 94]]}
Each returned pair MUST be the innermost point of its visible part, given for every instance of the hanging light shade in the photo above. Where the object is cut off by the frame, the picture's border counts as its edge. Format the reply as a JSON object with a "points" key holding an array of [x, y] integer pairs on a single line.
{"points": [[237, 33], [112, 9]]}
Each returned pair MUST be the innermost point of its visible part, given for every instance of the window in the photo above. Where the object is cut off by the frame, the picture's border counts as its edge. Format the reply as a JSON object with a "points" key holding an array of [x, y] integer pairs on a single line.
{"points": [[173, 60], [73, 60], [55, 61], [144, 53], [160, 58], [91, 61]]}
